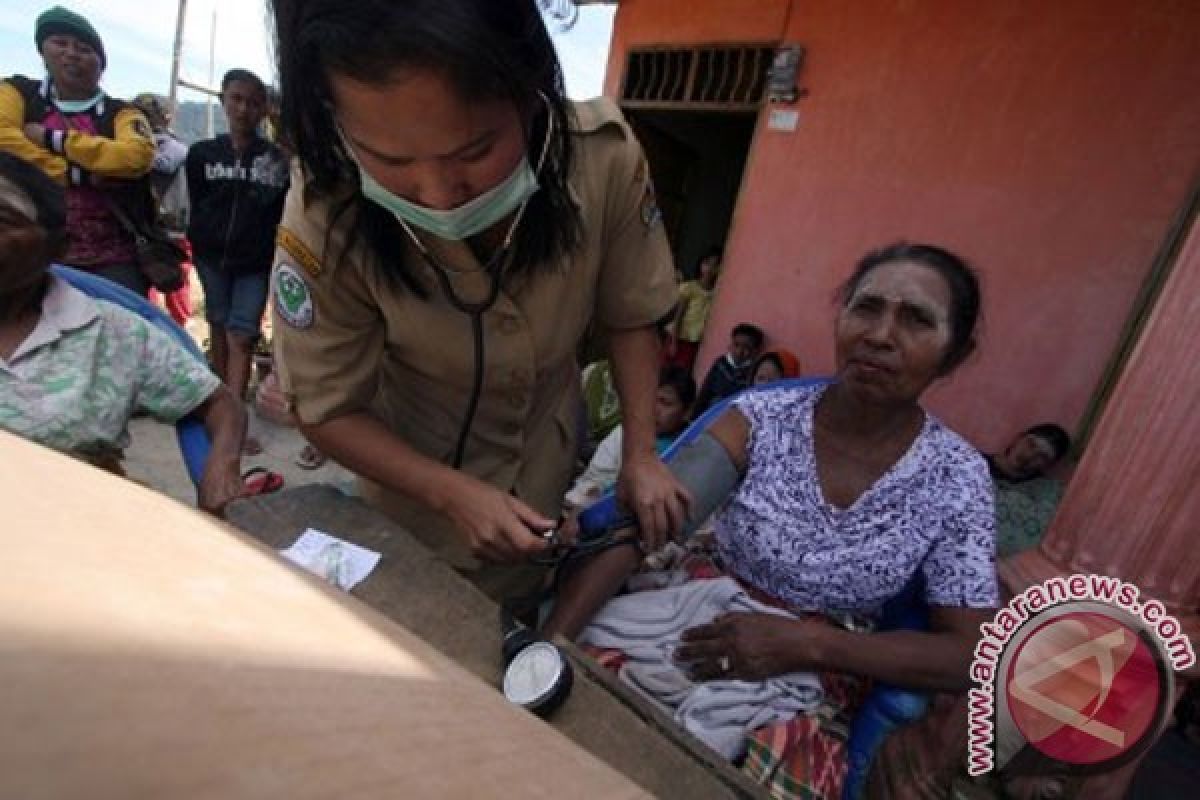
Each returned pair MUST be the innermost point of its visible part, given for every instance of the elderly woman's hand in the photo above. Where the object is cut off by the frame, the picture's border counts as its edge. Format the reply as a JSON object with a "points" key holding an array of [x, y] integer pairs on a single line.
{"points": [[745, 646]]}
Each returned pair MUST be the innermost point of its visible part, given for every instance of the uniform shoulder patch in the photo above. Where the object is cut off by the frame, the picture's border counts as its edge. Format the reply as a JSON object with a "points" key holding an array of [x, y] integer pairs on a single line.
{"points": [[295, 247], [293, 300]]}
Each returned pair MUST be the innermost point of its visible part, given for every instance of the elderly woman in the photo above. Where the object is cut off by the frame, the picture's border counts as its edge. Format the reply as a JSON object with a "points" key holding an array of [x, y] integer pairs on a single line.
{"points": [[840, 495], [74, 369]]}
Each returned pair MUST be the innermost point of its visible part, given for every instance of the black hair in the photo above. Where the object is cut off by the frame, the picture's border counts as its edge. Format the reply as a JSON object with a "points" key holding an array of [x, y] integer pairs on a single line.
{"points": [[681, 381], [1058, 438], [245, 76], [960, 278], [710, 253], [486, 49], [753, 331], [47, 197], [768, 358]]}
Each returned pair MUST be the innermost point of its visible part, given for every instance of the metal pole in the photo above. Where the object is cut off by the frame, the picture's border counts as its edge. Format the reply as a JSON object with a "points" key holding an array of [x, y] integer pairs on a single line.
{"points": [[176, 57], [212, 49]]}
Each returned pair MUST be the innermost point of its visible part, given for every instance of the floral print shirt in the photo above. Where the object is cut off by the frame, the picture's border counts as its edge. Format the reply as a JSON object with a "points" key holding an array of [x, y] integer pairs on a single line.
{"points": [[931, 512], [87, 367]]}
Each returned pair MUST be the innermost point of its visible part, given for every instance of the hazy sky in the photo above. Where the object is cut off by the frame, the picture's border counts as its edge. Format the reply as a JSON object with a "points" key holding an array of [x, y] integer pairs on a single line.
{"points": [[138, 36]]}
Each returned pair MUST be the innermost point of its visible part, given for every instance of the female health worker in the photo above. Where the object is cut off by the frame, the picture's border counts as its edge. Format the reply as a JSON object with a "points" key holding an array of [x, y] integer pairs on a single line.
{"points": [[454, 228]]}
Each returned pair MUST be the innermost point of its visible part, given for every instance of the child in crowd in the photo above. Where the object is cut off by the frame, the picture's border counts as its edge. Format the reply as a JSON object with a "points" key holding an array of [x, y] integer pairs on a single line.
{"points": [[695, 301], [731, 372], [775, 365], [672, 402]]}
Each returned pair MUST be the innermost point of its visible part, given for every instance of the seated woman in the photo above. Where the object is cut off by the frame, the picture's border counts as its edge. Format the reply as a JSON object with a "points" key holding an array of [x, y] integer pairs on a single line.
{"points": [[775, 365], [838, 497], [74, 369]]}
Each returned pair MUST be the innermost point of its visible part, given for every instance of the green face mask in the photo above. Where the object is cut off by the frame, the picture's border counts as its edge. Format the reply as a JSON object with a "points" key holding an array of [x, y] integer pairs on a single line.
{"points": [[472, 217]]}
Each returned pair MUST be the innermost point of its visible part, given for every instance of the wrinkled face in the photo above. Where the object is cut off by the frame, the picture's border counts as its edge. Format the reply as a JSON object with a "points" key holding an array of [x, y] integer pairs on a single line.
{"points": [[1029, 456], [767, 372], [73, 64], [24, 248], [445, 153], [670, 414], [245, 104], [743, 349], [893, 334]]}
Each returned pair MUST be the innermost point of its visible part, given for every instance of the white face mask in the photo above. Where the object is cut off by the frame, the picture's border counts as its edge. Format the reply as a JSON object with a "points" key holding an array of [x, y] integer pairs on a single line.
{"points": [[78, 106], [472, 217]]}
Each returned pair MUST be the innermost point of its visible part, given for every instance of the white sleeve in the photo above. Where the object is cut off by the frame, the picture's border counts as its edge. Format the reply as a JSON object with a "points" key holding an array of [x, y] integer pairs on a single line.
{"points": [[601, 472]]}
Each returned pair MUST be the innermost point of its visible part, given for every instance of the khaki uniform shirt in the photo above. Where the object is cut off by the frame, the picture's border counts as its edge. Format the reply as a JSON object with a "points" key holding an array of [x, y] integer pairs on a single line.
{"points": [[348, 339]]}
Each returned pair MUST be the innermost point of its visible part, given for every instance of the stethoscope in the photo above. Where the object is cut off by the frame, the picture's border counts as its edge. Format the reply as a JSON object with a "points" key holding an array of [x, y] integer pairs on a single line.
{"points": [[475, 311], [537, 674]]}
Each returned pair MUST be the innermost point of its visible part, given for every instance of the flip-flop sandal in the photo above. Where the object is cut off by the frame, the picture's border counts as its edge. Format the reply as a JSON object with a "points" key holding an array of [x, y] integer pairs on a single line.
{"points": [[260, 480], [310, 458]]}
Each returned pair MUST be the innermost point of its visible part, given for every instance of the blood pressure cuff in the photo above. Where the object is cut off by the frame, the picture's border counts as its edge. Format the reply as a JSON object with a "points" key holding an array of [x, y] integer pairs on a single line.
{"points": [[703, 466]]}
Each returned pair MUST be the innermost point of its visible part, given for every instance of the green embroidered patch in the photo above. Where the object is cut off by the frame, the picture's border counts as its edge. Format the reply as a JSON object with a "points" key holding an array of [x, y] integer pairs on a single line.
{"points": [[293, 301]]}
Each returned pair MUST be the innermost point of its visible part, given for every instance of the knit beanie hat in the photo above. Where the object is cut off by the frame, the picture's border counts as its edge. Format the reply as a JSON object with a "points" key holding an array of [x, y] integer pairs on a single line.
{"points": [[59, 20]]}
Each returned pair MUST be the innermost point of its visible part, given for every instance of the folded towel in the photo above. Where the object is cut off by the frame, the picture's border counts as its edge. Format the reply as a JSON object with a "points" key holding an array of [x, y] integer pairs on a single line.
{"points": [[647, 627]]}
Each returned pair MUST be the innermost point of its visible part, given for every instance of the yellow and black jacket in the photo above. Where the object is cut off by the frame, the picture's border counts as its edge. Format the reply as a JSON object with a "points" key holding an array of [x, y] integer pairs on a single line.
{"points": [[122, 146]]}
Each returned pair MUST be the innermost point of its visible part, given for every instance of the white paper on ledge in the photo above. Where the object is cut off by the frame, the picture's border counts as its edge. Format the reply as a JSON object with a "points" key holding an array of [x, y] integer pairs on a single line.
{"points": [[343, 564]]}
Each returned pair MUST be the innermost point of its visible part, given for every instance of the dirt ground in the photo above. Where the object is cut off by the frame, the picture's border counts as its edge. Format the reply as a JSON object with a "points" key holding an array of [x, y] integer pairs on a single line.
{"points": [[153, 456]]}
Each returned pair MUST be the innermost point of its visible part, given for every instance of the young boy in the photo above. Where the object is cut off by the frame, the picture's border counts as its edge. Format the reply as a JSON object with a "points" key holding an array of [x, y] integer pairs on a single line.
{"points": [[674, 398], [237, 184], [731, 372]]}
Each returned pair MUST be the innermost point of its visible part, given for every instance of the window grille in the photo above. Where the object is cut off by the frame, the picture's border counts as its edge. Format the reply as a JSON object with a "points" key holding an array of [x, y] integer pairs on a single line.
{"points": [[726, 78]]}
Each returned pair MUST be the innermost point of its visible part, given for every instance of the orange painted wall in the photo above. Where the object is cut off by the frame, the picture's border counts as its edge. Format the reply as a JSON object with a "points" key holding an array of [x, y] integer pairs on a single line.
{"points": [[686, 22], [1050, 143], [1132, 509]]}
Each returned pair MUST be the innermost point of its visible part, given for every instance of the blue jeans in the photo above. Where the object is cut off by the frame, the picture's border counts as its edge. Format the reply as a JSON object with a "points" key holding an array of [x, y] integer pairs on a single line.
{"points": [[234, 301]]}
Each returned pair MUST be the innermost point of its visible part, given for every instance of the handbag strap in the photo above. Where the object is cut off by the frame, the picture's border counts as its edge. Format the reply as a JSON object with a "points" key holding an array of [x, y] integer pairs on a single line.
{"points": [[123, 218]]}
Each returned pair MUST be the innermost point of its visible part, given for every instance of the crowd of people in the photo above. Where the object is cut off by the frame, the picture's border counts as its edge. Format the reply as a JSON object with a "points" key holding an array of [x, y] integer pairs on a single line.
{"points": [[450, 231]]}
